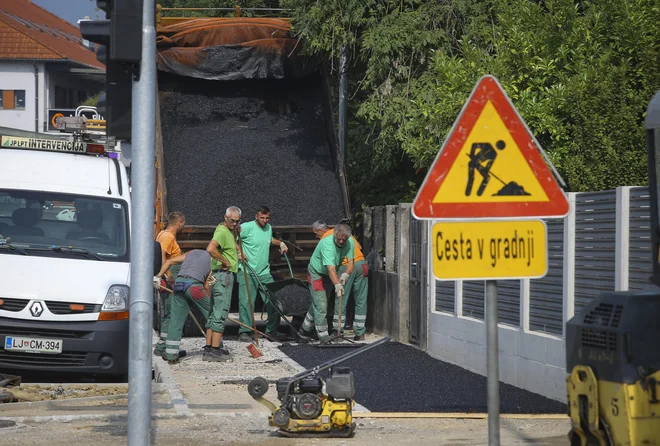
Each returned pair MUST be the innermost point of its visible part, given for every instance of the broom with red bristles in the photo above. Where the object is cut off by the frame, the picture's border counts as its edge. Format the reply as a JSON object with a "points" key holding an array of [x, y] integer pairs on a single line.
{"points": [[253, 348]]}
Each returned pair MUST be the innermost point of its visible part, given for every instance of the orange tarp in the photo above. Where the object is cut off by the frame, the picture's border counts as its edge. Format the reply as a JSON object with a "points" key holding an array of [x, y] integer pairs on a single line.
{"points": [[231, 49]]}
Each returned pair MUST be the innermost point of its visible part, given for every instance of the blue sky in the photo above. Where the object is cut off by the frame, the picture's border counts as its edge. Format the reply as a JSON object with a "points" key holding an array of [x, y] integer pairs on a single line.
{"points": [[71, 10]]}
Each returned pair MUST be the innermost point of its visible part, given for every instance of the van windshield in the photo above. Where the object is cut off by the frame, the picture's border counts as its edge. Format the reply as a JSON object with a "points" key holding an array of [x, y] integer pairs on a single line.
{"points": [[39, 222]]}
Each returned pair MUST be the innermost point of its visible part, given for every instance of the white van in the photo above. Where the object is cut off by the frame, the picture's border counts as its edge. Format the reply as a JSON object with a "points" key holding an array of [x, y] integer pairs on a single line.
{"points": [[64, 282]]}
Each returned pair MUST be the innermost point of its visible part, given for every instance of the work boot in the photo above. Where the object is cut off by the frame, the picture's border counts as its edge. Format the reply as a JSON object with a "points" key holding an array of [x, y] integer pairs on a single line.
{"points": [[159, 350], [207, 348], [182, 354], [217, 355], [359, 337], [171, 359], [308, 334], [244, 337]]}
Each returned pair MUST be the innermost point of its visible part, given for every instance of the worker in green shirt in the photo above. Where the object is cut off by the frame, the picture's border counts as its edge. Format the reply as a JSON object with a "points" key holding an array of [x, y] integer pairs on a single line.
{"points": [[256, 237], [326, 259], [224, 265]]}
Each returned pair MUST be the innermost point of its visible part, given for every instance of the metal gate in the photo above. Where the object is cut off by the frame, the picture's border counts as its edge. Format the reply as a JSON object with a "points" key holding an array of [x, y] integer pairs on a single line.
{"points": [[417, 287]]}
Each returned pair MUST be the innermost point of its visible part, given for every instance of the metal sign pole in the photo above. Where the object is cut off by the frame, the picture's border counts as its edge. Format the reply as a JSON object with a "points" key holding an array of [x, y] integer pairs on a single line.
{"points": [[492, 364], [141, 296]]}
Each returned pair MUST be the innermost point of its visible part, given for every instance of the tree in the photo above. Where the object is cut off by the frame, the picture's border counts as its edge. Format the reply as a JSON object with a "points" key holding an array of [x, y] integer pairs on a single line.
{"points": [[580, 73], [227, 7]]}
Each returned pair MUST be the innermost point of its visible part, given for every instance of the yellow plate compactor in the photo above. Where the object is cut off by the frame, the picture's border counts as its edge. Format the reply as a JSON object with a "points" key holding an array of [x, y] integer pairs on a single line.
{"points": [[311, 406]]}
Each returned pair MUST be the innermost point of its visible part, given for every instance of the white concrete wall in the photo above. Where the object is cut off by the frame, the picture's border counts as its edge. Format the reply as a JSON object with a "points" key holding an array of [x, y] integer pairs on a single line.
{"points": [[529, 360], [19, 76]]}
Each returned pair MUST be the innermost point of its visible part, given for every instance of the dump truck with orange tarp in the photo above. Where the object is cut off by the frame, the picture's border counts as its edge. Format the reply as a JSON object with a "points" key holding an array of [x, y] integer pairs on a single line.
{"points": [[245, 119]]}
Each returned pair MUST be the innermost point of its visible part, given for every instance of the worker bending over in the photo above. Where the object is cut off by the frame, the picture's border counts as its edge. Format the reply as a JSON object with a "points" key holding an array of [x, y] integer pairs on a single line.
{"points": [[358, 282], [169, 249], [224, 265], [190, 288], [255, 238], [325, 260]]}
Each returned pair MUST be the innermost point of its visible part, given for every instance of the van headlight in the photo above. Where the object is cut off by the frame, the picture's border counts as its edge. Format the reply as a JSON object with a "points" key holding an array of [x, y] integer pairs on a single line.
{"points": [[115, 306]]}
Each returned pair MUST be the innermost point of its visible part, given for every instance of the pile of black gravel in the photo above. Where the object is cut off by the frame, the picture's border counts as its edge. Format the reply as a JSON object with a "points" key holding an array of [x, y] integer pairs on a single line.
{"points": [[293, 300], [398, 378], [248, 143]]}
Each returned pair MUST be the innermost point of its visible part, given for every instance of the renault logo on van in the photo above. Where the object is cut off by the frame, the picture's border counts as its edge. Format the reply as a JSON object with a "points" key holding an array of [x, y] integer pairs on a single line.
{"points": [[36, 309]]}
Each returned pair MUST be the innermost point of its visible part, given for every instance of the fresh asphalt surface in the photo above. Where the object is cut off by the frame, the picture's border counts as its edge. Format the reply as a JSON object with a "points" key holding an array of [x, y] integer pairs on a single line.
{"points": [[397, 378]]}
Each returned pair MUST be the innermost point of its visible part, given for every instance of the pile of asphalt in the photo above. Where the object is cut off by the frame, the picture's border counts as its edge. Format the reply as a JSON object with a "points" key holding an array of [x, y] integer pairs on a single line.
{"points": [[399, 378], [293, 300], [245, 144]]}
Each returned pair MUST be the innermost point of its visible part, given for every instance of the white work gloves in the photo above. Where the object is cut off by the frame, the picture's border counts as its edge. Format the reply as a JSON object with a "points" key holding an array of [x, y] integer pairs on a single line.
{"points": [[339, 289], [344, 278], [157, 283], [211, 280], [283, 248]]}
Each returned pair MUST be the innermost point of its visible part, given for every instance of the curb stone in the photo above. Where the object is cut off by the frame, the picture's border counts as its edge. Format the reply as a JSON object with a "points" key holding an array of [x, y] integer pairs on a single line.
{"points": [[164, 375]]}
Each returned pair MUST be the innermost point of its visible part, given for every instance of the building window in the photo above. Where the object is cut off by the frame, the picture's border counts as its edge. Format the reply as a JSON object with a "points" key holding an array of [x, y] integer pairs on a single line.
{"points": [[12, 99], [19, 99]]}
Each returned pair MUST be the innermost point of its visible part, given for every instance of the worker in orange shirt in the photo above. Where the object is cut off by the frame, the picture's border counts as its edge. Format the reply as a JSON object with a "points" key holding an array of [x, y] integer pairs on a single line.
{"points": [[358, 282], [169, 248]]}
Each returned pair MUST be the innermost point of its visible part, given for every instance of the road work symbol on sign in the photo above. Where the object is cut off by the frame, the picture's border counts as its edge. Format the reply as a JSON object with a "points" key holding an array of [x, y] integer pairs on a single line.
{"points": [[490, 166], [485, 250], [482, 156]]}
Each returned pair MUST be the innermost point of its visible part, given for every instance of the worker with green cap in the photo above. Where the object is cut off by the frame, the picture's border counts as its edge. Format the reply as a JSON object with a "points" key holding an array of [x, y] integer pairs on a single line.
{"points": [[323, 266], [255, 240]]}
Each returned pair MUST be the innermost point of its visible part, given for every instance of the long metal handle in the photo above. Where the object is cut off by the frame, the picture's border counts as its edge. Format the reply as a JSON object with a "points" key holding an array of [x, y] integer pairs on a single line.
{"points": [[289, 264], [340, 359]]}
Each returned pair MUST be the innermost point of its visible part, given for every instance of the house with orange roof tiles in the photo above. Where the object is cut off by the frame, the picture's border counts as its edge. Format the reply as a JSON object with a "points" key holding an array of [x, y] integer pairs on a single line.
{"points": [[45, 67]]}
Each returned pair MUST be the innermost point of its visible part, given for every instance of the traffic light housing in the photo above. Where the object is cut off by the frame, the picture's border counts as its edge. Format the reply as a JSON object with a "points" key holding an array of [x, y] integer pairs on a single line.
{"points": [[119, 40]]}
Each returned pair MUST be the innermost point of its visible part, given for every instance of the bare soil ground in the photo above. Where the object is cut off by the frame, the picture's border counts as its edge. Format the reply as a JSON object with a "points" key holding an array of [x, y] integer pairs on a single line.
{"points": [[203, 431]]}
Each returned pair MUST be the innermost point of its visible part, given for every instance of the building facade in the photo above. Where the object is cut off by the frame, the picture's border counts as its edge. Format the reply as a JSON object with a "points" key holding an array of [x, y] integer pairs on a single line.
{"points": [[44, 65]]}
